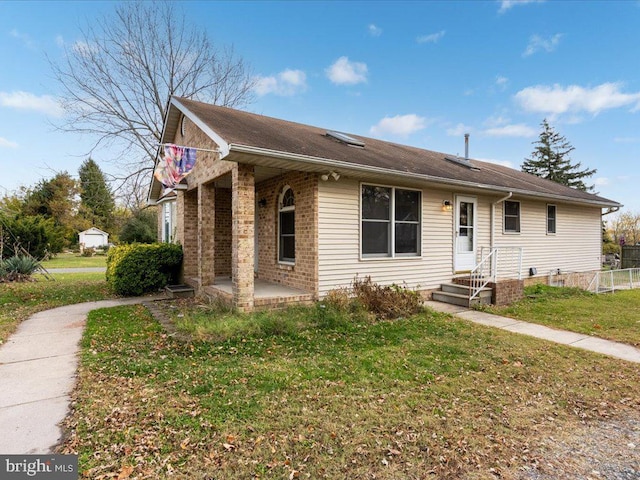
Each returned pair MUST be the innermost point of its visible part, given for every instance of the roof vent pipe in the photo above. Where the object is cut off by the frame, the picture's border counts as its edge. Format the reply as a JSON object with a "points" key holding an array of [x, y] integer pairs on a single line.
{"points": [[466, 146]]}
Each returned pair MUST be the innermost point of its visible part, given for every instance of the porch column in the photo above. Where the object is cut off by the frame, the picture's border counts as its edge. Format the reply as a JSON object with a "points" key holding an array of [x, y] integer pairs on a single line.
{"points": [[188, 233], [206, 222], [242, 249]]}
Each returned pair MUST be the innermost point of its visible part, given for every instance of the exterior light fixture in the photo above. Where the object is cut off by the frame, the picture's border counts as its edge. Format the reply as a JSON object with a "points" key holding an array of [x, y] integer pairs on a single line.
{"points": [[326, 176], [447, 206], [335, 176]]}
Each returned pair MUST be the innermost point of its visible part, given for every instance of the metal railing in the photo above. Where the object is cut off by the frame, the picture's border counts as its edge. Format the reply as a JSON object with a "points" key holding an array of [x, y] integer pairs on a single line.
{"points": [[612, 280], [500, 262]]}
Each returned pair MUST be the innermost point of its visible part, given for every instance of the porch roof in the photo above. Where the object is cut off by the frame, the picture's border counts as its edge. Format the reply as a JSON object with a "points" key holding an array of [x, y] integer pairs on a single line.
{"points": [[261, 140]]}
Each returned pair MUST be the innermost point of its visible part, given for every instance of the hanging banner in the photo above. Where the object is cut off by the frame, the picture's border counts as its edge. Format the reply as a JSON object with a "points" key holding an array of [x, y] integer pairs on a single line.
{"points": [[176, 164]]}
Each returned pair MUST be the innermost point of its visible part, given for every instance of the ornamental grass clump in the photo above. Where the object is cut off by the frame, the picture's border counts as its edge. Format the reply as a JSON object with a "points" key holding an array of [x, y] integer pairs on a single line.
{"points": [[18, 268]]}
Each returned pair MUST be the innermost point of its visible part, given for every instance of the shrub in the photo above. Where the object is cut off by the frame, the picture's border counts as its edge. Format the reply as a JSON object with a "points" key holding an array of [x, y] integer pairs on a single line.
{"points": [[139, 268], [386, 301], [89, 252], [19, 267]]}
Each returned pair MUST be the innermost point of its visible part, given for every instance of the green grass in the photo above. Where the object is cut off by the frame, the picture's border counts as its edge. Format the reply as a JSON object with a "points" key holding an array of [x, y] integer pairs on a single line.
{"points": [[614, 316], [311, 393], [20, 300], [75, 260]]}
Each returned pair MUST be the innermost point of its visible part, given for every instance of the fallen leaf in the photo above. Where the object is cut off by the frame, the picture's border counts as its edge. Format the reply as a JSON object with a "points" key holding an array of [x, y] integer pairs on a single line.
{"points": [[125, 472]]}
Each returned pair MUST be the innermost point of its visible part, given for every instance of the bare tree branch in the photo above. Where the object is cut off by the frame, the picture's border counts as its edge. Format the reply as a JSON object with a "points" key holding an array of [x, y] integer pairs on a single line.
{"points": [[117, 78]]}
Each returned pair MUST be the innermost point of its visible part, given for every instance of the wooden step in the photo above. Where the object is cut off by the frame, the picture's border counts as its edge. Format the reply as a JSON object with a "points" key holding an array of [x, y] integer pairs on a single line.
{"points": [[464, 289]]}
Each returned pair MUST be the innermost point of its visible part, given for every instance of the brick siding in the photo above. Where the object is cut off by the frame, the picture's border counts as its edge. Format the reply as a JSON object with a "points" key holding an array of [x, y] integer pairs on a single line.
{"points": [[304, 274]]}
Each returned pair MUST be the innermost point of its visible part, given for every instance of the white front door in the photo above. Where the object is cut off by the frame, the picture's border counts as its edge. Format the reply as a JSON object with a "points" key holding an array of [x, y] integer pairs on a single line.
{"points": [[464, 251]]}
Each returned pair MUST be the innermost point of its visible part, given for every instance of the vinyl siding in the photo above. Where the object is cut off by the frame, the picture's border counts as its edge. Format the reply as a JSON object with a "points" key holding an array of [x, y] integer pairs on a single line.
{"points": [[575, 247], [339, 242]]}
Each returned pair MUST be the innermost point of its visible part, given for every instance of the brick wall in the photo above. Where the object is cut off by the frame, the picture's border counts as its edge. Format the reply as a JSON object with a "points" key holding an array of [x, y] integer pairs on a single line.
{"points": [[187, 232], [304, 274], [506, 292], [223, 231]]}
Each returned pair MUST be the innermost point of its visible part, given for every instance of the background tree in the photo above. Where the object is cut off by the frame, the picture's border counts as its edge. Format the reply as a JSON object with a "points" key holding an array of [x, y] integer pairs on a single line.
{"points": [[116, 81], [141, 227], [550, 159], [625, 226], [96, 200]]}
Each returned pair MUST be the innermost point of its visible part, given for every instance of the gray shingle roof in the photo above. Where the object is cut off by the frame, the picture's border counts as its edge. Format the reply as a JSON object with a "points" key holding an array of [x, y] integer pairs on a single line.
{"points": [[248, 129]]}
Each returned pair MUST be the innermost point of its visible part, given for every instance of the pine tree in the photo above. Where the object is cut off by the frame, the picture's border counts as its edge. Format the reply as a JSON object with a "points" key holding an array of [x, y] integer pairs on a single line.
{"points": [[96, 199], [550, 159]]}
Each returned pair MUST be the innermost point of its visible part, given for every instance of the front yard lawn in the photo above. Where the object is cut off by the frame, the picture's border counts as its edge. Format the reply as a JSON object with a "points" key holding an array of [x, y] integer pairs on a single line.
{"points": [[310, 393], [614, 316], [20, 300], [75, 260]]}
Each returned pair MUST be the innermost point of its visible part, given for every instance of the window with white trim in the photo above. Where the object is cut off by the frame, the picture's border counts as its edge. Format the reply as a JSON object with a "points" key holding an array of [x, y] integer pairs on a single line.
{"points": [[391, 220], [286, 227], [169, 221], [551, 218], [511, 217]]}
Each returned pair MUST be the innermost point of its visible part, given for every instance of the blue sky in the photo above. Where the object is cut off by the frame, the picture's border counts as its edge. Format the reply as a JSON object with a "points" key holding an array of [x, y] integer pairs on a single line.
{"points": [[419, 73]]}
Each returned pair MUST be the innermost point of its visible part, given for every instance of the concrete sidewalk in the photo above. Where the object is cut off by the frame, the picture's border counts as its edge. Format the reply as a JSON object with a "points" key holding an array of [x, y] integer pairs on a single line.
{"points": [[578, 340], [38, 366]]}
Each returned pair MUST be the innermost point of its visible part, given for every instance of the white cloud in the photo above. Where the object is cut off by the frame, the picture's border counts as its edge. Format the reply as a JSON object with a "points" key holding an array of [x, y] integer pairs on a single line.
{"points": [[28, 101], [504, 163], [286, 83], [602, 181], [85, 49], [431, 38], [344, 72], [59, 41], [508, 4], [24, 38], [555, 100], [459, 130], [502, 82], [626, 139], [400, 125], [496, 121], [514, 130], [374, 30], [537, 43], [7, 143]]}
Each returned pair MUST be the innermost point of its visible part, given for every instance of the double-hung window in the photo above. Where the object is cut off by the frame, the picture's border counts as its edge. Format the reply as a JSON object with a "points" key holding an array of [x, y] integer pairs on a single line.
{"points": [[551, 219], [390, 221], [511, 217]]}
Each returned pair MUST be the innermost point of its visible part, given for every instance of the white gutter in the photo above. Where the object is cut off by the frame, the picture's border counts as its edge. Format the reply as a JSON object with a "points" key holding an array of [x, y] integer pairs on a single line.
{"points": [[340, 165], [493, 218], [611, 210]]}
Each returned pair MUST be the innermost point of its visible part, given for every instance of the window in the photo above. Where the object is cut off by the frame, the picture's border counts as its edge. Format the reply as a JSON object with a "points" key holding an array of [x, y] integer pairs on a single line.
{"points": [[168, 224], [551, 219], [512, 217], [286, 227], [390, 221]]}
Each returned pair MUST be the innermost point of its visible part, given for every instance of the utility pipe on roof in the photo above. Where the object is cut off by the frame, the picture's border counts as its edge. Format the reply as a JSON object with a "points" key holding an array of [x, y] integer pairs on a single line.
{"points": [[493, 217], [611, 210]]}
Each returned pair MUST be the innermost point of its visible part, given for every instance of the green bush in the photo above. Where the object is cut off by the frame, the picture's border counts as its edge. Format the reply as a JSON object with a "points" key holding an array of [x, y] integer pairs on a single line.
{"points": [[139, 268], [141, 228]]}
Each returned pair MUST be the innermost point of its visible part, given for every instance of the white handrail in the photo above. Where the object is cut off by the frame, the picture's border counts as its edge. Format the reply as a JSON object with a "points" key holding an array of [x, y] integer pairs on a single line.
{"points": [[486, 271]]}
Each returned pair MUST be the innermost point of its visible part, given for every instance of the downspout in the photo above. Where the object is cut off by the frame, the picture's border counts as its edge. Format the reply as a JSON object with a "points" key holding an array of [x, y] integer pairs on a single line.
{"points": [[493, 217]]}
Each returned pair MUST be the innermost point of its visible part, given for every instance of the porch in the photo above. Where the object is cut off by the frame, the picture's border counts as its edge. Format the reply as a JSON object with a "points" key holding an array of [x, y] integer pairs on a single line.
{"points": [[266, 295]]}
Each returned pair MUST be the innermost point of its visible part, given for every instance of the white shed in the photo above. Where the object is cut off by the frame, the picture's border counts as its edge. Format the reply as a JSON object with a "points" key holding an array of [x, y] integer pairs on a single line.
{"points": [[93, 238]]}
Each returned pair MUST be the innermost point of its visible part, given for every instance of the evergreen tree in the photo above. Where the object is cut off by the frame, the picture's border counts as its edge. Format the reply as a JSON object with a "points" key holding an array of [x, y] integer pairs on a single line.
{"points": [[550, 159], [96, 199]]}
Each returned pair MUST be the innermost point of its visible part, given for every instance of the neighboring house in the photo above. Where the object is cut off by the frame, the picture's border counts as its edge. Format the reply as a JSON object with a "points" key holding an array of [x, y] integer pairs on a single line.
{"points": [[93, 238], [276, 202]]}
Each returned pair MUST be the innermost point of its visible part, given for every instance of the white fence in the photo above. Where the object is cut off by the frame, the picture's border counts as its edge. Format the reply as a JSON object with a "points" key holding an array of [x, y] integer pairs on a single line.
{"points": [[612, 280]]}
